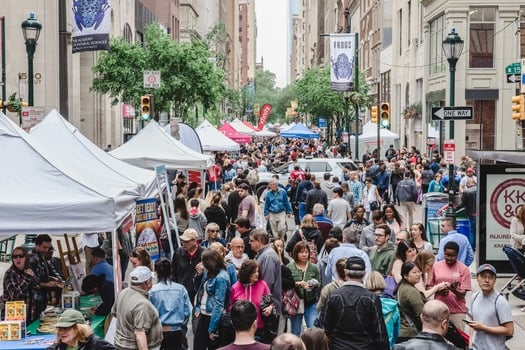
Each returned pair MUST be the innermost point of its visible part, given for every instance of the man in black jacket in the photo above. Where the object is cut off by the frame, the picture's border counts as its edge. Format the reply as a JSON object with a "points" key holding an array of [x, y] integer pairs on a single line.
{"points": [[314, 196], [435, 325], [353, 318]]}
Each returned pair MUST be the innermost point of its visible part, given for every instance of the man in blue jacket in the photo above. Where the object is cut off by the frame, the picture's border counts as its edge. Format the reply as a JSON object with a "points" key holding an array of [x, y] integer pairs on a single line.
{"points": [[276, 207]]}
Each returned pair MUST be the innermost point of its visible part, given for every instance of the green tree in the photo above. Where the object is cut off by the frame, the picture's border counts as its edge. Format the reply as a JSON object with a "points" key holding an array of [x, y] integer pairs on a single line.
{"points": [[188, 77], [314, 91]]}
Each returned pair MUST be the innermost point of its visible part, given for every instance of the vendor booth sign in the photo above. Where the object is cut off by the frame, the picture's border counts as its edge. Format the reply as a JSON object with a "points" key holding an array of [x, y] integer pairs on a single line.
{"points": [[501, 193], [147, 226]]}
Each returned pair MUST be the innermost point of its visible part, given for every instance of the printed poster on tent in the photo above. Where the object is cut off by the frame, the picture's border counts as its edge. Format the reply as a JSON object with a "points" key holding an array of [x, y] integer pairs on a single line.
{"points": [[91, 23], [342, 53], [147, 227]]}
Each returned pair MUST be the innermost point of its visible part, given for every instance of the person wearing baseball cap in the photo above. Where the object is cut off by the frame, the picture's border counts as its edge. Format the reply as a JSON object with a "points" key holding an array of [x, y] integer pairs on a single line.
{"points": [[138, 325], [353, 316], [185, 259], [74, 333], [490, 317]]}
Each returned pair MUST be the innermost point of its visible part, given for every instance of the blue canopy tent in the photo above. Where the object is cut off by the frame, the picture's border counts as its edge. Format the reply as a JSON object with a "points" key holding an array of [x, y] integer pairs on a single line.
{"points": [[299, 131]]}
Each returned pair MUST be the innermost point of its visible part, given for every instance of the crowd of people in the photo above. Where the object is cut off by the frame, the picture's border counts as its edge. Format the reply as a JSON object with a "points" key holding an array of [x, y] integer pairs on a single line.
{"points": [[332, 263]]}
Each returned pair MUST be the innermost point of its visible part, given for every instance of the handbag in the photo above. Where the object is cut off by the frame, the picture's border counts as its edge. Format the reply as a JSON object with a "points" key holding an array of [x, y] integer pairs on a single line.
{"points": [[374, 205], [457, 336], [290, 303], [226, 330]]}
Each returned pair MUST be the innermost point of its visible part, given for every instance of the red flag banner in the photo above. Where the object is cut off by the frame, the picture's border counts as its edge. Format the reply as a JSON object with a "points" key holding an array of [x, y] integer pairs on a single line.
{"points": [[263, 115]]}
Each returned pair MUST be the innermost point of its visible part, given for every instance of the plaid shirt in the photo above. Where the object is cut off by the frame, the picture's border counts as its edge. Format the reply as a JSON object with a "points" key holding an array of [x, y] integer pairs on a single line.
{"points": [[20, 286]]}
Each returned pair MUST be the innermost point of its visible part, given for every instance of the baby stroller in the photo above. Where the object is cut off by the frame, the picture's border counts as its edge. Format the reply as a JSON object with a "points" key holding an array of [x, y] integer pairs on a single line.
{"points": [[517, 261]]}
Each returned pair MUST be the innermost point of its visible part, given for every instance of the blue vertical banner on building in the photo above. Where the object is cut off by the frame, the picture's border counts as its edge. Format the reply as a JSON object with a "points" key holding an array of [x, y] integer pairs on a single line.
{"points": [[91, 23], [342, 52]]}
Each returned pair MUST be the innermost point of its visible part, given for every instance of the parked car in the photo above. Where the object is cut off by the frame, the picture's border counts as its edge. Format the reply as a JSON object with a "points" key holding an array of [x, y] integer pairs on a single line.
{"points": [[316, 166]]}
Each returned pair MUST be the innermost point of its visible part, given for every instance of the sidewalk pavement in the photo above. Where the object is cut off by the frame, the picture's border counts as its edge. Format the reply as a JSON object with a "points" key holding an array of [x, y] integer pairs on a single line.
{"points": [[515, 303]]}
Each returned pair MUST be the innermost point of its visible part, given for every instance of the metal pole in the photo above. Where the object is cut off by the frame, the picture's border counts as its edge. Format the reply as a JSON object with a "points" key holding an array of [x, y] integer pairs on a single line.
{"points": [[378, 120], [356, 79], [62, 59], [451, 211], [347, 121], [30, 48]]}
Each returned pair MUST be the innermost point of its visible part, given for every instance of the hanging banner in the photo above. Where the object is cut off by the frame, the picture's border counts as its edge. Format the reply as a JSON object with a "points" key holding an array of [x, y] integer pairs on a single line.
{"points": [[91, 25], [263, 115], [147, 227], [342, 53]]}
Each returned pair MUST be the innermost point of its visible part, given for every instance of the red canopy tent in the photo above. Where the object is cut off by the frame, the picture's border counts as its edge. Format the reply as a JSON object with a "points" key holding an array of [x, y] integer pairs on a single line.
{"points": [[230, 132]]}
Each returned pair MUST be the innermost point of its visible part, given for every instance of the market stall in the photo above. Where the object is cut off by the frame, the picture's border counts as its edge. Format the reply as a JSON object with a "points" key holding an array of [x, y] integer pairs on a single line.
{"points": [[232, 134], [152, 146], [64, 141], [299, 131], [214, 140], [41, 194]]}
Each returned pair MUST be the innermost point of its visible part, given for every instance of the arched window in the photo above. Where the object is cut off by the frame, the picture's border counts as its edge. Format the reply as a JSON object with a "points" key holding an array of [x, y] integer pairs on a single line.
{"points": [[127, 33]]}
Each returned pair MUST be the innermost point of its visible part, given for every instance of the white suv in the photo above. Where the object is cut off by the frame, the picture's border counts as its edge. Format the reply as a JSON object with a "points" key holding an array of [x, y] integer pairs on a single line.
{"points": [[316, 166]]}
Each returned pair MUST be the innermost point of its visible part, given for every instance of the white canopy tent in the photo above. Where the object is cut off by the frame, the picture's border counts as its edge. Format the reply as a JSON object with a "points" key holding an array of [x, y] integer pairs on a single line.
{"points": [[214, 140], [40, 195], [242, 128], [65, 140], [368, 139], [265, 133], [153, 146]]}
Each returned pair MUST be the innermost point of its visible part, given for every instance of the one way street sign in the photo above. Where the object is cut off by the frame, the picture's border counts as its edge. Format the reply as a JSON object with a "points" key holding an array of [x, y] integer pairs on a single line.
{"points": [[513, 78], [452, 113]]}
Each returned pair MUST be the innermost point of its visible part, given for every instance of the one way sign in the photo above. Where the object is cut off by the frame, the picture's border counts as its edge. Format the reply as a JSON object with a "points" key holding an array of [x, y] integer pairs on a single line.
{"points": [[452, 113]]}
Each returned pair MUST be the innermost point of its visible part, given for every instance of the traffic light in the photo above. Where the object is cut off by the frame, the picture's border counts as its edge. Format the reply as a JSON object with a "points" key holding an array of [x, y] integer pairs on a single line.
{"points": [[518, 107], [373, 114], [145, 107], [385, 115]]}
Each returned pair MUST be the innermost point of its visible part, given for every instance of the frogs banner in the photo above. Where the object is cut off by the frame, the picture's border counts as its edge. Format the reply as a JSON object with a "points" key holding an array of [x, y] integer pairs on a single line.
{"points": [[342, 52], [91, 22]]}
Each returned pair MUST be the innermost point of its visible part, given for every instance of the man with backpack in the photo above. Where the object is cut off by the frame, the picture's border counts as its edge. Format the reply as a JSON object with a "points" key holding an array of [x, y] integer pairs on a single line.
{"points": [[251, 175], [489, 312], [302, 192]]}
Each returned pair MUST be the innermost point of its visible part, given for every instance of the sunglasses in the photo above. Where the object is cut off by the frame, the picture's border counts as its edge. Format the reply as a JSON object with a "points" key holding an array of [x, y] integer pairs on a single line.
{"points": [[18, 256], [213, 230]]}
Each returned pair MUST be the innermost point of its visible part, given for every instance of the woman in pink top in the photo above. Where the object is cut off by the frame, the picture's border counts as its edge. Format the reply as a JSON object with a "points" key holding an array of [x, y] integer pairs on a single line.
{"points": [[250, 287]]}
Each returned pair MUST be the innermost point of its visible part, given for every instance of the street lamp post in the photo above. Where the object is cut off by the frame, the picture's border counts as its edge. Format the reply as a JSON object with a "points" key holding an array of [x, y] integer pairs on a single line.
{"points": [[31, 28], [452, 47]]}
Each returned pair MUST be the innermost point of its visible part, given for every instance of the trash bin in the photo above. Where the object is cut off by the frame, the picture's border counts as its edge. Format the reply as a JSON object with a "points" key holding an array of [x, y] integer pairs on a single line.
{"points": [[463, 227]]}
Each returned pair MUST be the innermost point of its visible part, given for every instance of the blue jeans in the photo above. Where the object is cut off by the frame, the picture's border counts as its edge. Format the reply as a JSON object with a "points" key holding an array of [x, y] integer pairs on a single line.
{"points": [[302, 210], [310, 315]]}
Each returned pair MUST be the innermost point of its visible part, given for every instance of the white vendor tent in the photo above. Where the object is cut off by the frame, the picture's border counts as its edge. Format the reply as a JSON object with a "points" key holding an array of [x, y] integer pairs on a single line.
{"points": [[214, 140], [368, 139], [370, 133], [39, 196], [65, 140], [152, 146], [240, 127]]}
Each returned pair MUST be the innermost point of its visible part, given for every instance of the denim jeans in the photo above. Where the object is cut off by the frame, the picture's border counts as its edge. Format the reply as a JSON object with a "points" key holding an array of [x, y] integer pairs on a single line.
{"points": [[310, 313], [302, 210]]}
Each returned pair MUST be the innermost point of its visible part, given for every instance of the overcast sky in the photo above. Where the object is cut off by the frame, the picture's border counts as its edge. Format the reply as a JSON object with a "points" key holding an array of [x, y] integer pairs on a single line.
{"points": [[272, 33]]}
